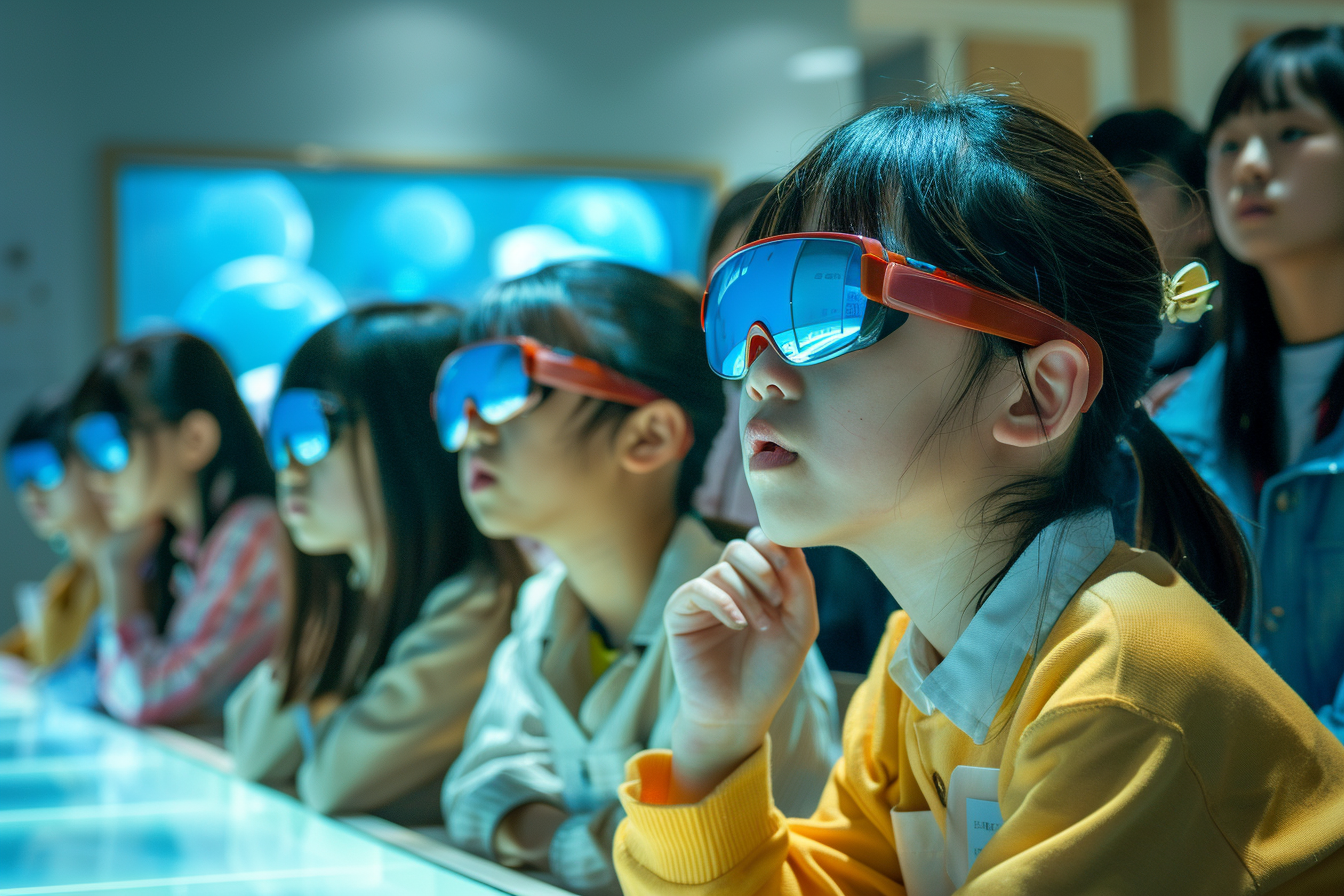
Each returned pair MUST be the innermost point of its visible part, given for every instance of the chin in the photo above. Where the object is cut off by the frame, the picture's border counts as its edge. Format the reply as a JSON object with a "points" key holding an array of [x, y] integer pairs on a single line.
{"points": [[491, 527], [313, 547], [794, 527]]}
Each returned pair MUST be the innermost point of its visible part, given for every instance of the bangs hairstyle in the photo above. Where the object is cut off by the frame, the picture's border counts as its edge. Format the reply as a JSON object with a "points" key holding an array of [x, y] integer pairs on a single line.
{"points": [[633, 321], [1308, 62], [381, 362], [157, 380], [45, 418], [1005, 195]]}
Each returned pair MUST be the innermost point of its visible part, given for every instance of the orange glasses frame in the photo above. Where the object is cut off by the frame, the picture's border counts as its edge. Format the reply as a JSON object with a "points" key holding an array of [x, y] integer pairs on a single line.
{"points": [[891, 279], [572, 373]]}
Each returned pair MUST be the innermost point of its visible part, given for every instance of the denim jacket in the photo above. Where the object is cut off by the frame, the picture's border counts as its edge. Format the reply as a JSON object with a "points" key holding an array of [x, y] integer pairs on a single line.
{"points": [[1296, 530]]}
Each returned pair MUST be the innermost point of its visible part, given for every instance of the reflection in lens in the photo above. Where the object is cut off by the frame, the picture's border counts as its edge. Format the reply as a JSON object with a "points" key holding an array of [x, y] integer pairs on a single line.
{"points": [[99, 438]]}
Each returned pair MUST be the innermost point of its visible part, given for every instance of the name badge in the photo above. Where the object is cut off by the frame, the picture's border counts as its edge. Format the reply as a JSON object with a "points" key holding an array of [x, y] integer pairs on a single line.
{"points": [[973, 817], [934, 861]]}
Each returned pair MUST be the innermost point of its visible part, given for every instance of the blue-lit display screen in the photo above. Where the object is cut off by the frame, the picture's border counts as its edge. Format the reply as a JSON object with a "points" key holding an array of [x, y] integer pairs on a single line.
{"points": [[88, 806], [255, 258]]}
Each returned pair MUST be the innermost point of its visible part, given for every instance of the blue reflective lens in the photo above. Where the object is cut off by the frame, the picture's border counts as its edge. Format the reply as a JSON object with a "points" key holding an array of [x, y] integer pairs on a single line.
{"points": [[36, 462], [299, 428], [806, 293], [102, 442], [491, 375]]}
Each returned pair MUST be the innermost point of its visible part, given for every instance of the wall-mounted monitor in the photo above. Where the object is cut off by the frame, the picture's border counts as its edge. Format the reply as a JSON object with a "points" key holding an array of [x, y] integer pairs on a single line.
{"points": [[255, 253]]}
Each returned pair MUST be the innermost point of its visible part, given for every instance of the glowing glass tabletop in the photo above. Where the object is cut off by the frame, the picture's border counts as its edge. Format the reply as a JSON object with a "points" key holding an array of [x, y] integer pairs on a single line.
{"points": [[88, 805]]}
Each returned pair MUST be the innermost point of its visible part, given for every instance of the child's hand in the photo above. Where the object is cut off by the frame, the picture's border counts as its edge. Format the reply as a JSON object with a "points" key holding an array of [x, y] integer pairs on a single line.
{"points": [[739, 635]]}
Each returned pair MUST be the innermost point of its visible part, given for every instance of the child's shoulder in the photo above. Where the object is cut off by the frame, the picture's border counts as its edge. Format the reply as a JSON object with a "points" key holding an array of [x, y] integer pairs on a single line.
{"points": [[536, 599], [1139, 635]]}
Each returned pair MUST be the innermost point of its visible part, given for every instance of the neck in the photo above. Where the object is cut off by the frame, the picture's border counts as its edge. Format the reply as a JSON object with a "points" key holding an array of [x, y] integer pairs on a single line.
{"points": [[935, 573], [186, 513], [81, 544], [369, 567], [610, 563], [1307, 292]]}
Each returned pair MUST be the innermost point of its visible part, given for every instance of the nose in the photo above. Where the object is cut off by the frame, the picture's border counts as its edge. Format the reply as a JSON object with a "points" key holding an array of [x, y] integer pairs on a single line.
{"points": [[479, 432], [293, 475], [769, 375], [1252, 163]]}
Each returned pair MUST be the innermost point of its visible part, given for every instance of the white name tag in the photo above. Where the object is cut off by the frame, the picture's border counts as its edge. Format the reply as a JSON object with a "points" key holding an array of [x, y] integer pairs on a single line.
{"points": [[972, 817], [983, 818], [934, 862]]}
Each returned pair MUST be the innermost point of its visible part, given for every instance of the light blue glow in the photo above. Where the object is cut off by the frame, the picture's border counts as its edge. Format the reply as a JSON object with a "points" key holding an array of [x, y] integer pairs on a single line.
{"points": [[88, 805]]}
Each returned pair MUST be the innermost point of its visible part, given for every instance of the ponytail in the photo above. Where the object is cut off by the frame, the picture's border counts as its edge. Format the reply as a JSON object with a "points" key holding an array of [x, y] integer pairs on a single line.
{"points": [[1181, 518]]}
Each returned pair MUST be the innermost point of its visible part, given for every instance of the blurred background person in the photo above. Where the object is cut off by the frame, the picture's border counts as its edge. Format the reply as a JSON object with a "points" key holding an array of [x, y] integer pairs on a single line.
{"points": [[178, 469], [398, 600], [1259, 417], [56, 634], [1162, 161]]}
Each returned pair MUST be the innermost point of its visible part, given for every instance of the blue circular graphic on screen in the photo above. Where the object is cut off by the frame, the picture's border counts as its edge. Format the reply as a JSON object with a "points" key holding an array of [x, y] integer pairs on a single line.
{"points": [[614, 216], [525, 249], [258, 310], [252, 213], [411, 241]]}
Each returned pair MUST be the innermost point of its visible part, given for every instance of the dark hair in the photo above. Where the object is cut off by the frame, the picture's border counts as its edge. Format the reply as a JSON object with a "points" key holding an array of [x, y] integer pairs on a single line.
{"points": [[736, 211], [1131, 140], [159, 379], [1250, 419], [45, 418], [1006, 195], [635, 322], [381, 362]]}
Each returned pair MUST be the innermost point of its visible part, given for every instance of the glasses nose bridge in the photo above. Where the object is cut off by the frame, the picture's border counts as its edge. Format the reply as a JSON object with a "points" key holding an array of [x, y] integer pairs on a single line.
{"points": [[775, 376], [478, 431]]}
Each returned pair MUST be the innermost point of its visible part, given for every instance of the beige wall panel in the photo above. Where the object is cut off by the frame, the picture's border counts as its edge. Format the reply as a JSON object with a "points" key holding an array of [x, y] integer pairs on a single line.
{"points": [[1057, 74], [1154, 81]]}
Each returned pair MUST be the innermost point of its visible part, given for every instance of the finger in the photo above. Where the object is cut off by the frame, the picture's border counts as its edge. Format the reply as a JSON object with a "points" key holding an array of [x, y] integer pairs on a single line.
{"points": [[689, 604], [789, 564], [755, 569], [758, 613], [798, 606]]}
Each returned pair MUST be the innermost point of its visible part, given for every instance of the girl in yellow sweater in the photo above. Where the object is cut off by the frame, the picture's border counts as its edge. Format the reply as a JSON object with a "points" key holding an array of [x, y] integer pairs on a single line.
{"points": [[941, 329]]}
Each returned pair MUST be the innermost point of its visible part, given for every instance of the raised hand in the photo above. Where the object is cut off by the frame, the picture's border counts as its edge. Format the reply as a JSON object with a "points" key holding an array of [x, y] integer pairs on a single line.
{"points": [[738, 637]]}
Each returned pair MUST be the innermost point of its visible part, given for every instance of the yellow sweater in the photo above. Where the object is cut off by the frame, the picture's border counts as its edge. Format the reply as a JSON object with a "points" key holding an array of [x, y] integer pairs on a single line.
{"points": [[1147, 749], [70, 597]]}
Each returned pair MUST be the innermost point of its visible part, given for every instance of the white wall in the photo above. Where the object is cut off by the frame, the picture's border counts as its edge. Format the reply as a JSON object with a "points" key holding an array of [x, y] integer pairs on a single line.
{"points": [[1202, 65], [700, 81]]}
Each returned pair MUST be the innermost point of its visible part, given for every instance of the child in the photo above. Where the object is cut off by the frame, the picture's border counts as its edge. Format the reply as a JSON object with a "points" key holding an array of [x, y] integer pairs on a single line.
{"points": [[1259, 415], [178, 469], [398, 600], [49, 481], [577, 418], [1051, 711]]}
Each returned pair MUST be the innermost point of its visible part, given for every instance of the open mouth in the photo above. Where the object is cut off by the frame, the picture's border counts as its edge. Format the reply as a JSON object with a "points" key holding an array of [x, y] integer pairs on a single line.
{"points": [[767, 455], [765, 447], [478, 477]]}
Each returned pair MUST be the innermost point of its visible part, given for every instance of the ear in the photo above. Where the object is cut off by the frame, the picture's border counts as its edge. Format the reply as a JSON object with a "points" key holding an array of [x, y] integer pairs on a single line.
{"points": [[655, 435], [1057, 376], [197, 440]]}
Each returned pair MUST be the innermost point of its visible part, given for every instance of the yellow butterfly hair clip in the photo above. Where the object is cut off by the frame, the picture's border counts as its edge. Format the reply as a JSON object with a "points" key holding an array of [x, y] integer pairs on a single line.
{"points": [[1185, 296]]}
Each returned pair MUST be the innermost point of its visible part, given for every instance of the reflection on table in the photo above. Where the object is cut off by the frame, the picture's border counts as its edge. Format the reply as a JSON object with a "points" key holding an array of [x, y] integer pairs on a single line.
{"points": [[88, 805]]}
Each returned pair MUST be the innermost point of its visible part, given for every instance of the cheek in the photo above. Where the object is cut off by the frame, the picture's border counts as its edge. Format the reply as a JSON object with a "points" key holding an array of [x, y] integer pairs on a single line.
{"points": [[1319, 187], [334, 497]]}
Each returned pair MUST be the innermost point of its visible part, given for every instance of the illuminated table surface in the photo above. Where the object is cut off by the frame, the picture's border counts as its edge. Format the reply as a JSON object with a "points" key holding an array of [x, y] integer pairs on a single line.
{"points": [[88, 805]]}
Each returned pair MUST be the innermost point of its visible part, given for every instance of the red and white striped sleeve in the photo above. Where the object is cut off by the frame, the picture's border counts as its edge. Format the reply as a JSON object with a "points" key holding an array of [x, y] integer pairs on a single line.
{"points": [[221, 626]]}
